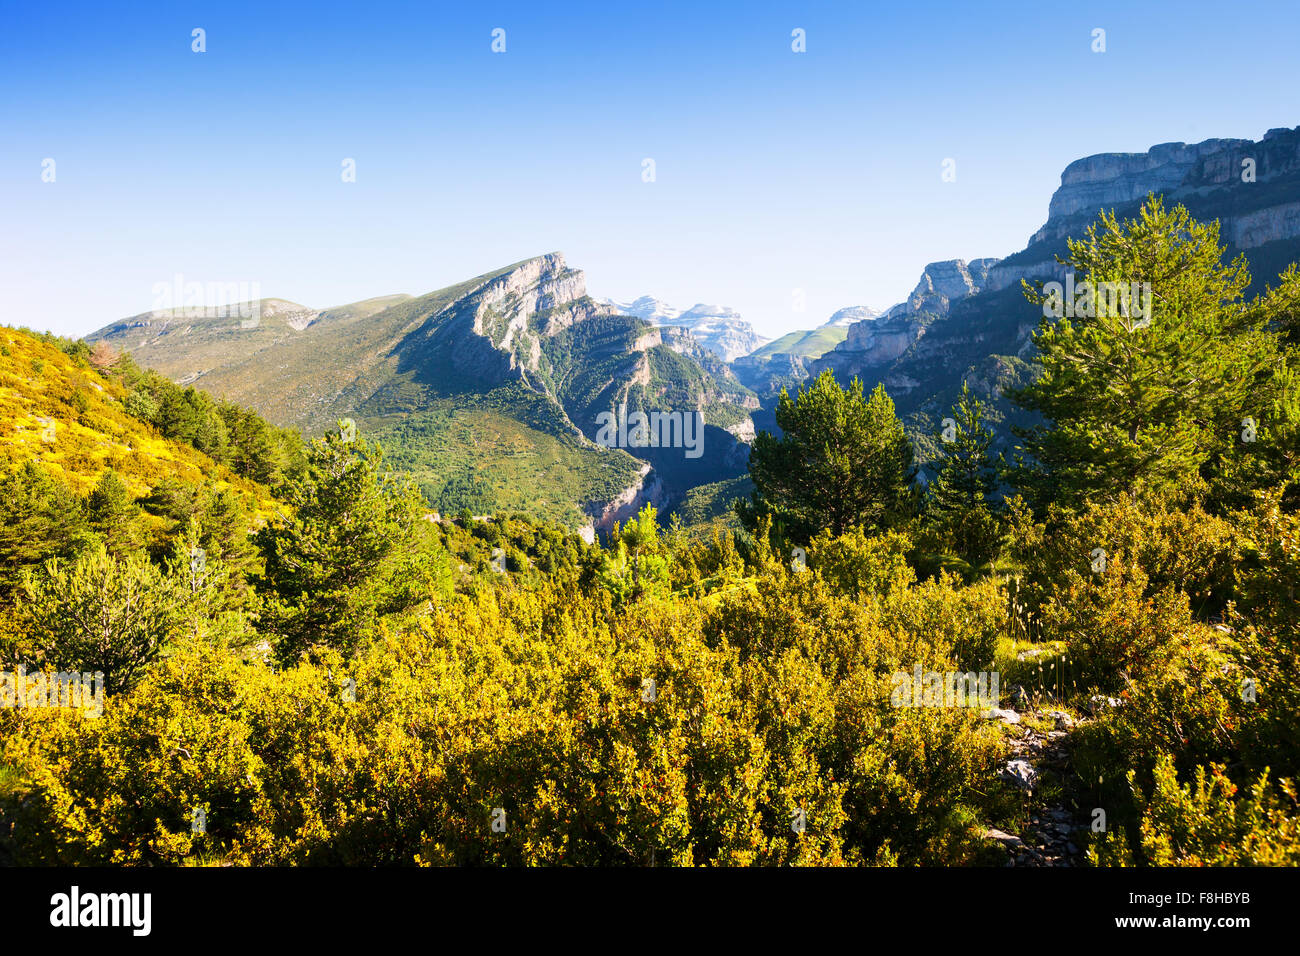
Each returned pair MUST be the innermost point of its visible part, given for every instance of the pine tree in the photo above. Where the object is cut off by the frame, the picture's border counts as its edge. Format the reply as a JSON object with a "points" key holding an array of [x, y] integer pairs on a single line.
{"points": [[959, 502], [843, 461], [40, 518], [326, 561], [112, 514], [1140, 398]]}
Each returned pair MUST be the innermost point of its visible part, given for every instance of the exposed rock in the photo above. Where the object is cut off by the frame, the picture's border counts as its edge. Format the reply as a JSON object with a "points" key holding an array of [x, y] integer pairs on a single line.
{"points": [[881, 339], [1209, 172], [649, 490], [1113, 179], [1021, 773], [1063, 720], [1009, 840], [997, 713]]}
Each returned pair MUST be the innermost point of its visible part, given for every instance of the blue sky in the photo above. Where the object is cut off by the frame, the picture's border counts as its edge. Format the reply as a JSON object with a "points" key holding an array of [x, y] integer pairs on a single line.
{"points": [[775, 170]]}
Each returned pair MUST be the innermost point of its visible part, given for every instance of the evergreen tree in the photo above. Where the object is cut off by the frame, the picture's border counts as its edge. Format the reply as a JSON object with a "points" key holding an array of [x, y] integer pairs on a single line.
{"points": [[112, 514], [959, 502], [843, 461], [1139, 397], [40, 518], [326, 561]]}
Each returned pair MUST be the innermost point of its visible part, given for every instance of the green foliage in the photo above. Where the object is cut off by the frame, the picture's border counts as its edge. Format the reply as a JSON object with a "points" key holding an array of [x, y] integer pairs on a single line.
{"points": [[857, 564], [329, 565], [39, 519], [668, 697], [637, 566], [842, 461], [99, 613], [537, 703], [236, 437], [1134, 407], [111, 513], [1209, 822], [959, 505]]}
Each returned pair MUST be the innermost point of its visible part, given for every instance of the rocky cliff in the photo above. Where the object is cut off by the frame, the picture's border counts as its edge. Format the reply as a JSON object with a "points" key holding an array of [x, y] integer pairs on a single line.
{"points": [[972, 323], [1251, 187], [882, 339]]}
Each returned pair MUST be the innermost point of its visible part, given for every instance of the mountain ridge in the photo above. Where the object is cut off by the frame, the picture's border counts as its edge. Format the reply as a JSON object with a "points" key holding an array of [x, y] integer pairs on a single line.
{"points": [[521, 351]]}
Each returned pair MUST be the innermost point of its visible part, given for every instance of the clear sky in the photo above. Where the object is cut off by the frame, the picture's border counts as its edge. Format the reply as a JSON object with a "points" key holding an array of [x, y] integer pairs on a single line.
{"points": [[774, 170]]}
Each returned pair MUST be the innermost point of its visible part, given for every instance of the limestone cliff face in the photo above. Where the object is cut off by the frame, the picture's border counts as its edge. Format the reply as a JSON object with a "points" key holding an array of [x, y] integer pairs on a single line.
{"points": [[1212, 178], [876, 342], [1116, 179]]}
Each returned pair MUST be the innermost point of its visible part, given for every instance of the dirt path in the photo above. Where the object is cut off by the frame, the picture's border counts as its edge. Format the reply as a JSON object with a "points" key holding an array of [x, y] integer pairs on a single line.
{"points": [[1039, 742]]}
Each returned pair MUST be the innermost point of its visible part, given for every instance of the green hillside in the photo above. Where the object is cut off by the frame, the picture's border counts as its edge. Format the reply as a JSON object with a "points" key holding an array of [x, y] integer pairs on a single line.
{"points": [[804, 344]]}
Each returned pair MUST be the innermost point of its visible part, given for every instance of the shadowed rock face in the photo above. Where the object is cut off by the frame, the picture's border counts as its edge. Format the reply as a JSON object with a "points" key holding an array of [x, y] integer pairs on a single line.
{"points": [[878, 341]]}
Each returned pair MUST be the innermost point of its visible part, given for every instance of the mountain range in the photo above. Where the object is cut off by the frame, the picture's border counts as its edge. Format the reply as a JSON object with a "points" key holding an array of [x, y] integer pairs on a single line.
{"points": [[491, 391]]}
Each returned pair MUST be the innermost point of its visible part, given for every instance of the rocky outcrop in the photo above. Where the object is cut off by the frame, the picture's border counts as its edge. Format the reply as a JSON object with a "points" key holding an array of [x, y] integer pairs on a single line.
{"points": [[1116, 179], [1249, 186], [648, 490], [943, 282]]}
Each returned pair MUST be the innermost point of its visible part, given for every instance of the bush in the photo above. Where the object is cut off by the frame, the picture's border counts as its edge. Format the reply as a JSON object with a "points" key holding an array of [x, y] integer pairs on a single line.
{"points": [[1209, 823]]}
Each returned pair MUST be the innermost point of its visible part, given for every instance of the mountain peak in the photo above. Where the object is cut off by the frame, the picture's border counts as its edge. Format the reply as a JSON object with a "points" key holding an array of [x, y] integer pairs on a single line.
{"points": [[719, 328], [850, 314]]}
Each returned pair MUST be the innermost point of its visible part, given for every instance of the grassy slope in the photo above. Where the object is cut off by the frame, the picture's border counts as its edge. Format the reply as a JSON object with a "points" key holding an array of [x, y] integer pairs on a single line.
{"points": [[812, 343]]}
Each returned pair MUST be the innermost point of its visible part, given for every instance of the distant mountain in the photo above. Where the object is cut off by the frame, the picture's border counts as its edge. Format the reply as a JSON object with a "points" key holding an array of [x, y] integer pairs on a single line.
{"points": [[783, 363], [846, 317], [491, 392], [882, 338], [719, 329]]}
